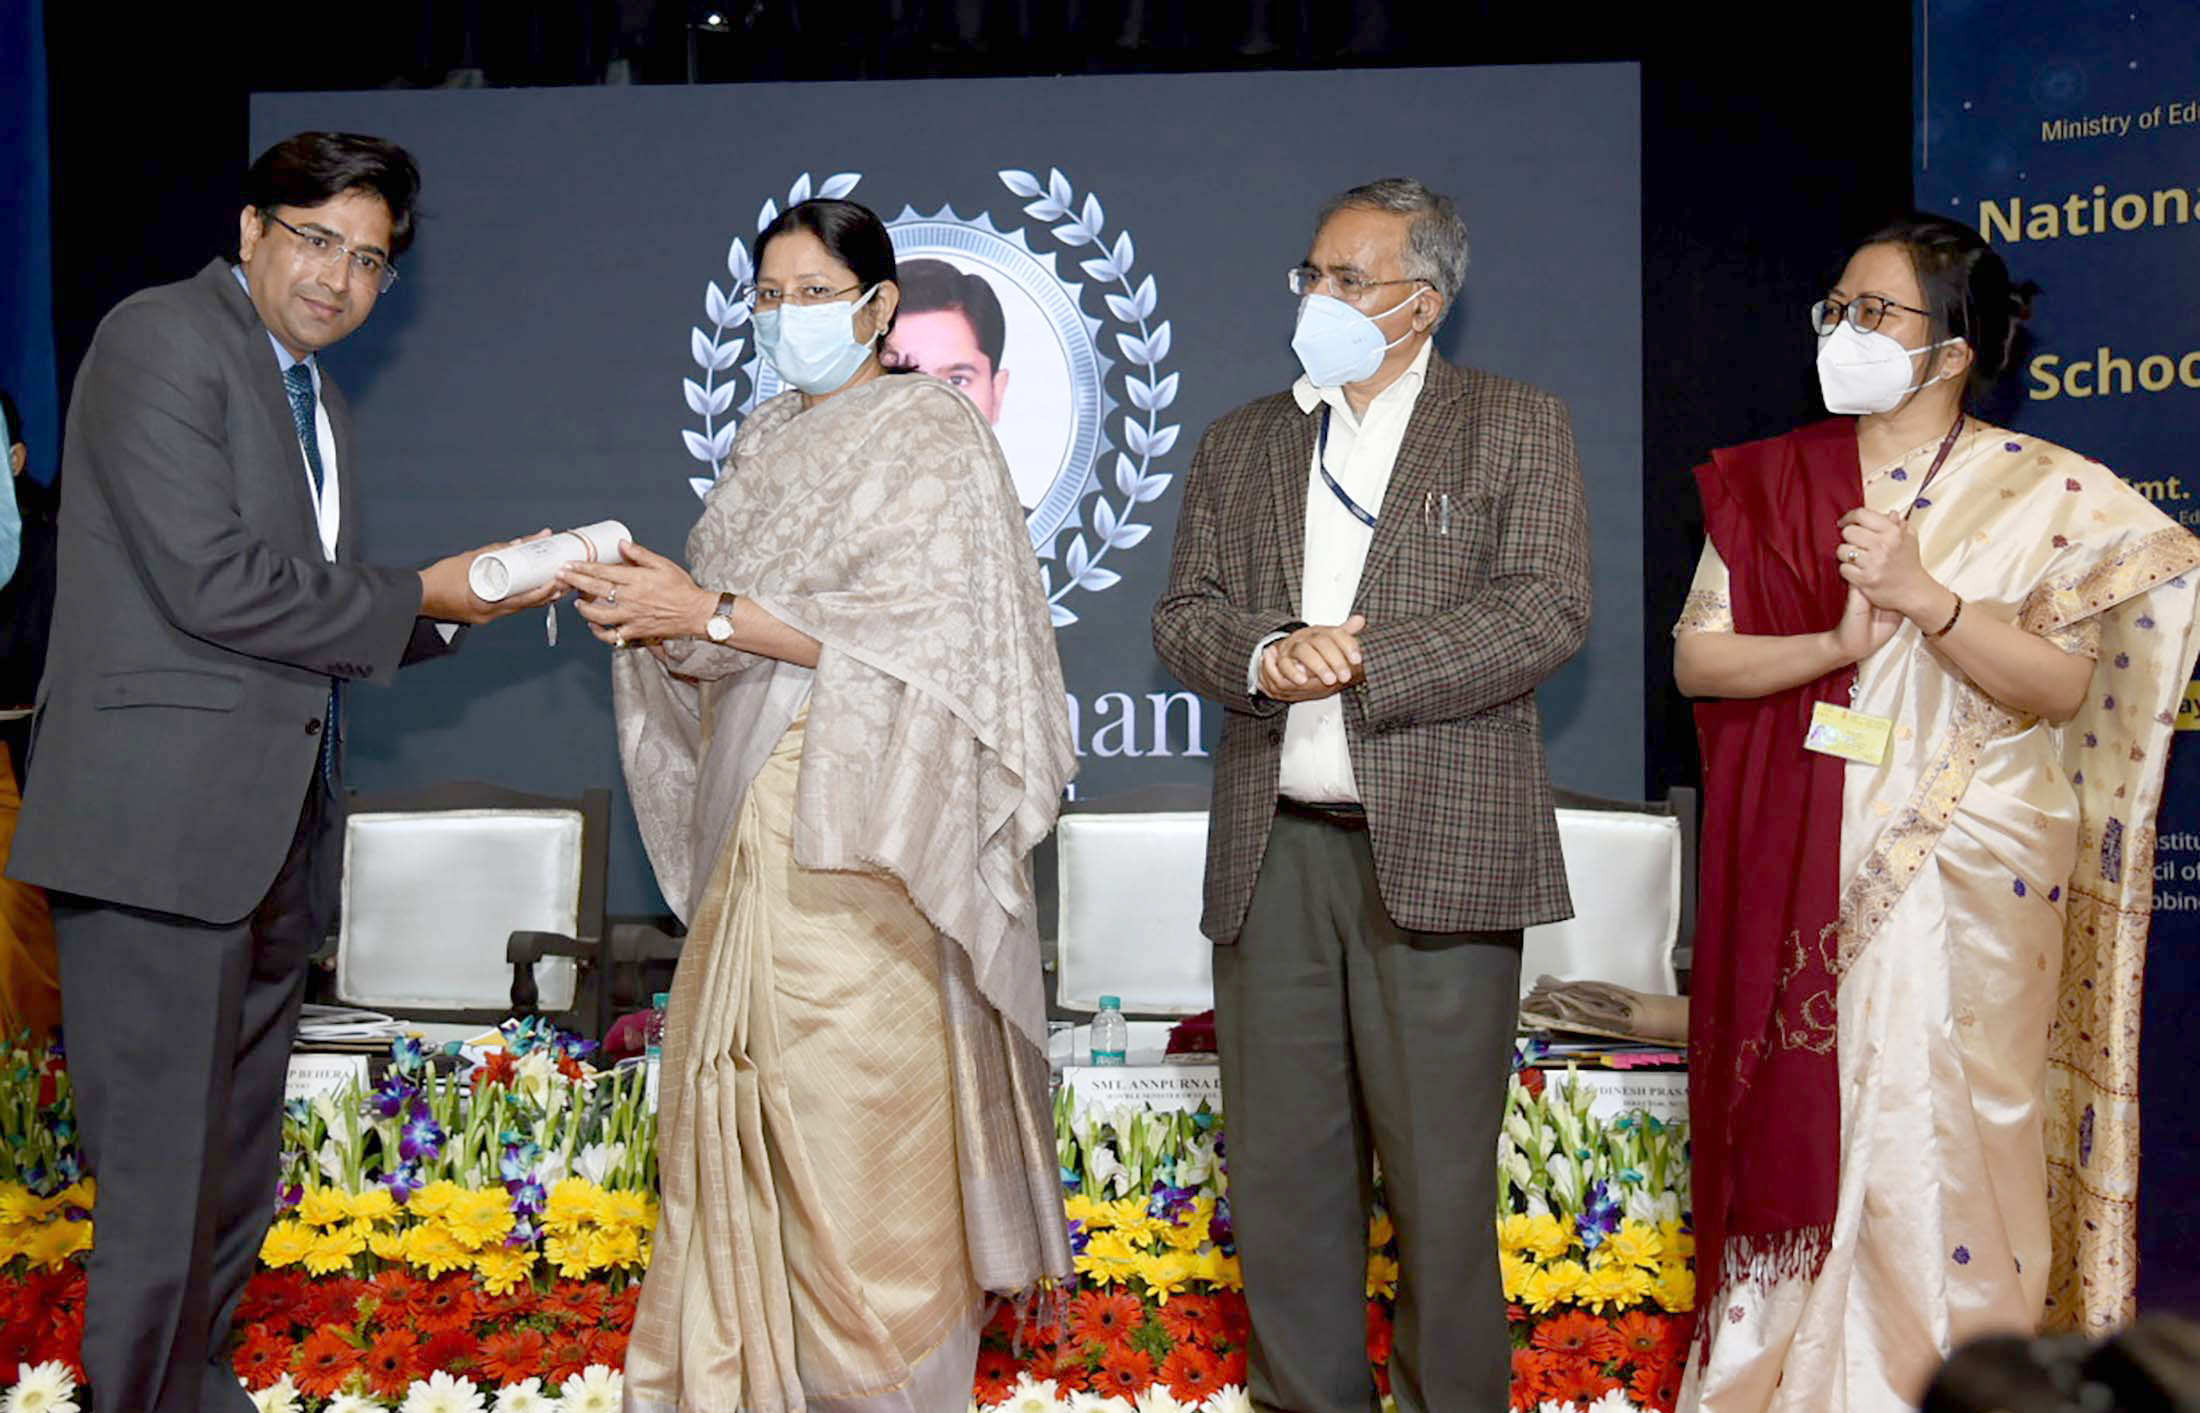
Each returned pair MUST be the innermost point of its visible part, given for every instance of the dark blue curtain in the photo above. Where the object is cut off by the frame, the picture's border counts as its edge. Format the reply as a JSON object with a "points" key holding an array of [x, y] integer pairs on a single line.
{"points": [[26, 243]]}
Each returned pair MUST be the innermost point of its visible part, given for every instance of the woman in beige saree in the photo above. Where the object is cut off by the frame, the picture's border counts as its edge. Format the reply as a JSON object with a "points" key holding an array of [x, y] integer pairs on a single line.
{"points": [[1944, 661], [844, 738]]}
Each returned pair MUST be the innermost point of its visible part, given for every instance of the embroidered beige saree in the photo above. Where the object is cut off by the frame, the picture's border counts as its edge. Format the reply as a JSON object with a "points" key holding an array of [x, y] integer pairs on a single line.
{"points": [[1997, 889], [854, 1137]]}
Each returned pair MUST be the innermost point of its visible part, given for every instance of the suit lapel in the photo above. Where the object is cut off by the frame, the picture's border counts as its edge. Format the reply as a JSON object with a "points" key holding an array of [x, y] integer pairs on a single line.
{"points": [[264, 381], [1289, 458], [1429, 439]]}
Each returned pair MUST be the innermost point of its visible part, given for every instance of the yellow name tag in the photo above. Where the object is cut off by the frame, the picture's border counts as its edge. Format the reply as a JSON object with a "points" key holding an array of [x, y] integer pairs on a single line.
{"points": [[1837, 731]]}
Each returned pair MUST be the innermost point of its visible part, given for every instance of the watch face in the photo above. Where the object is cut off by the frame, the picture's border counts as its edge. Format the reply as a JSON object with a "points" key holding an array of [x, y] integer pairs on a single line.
{"points": [[718, 629]]}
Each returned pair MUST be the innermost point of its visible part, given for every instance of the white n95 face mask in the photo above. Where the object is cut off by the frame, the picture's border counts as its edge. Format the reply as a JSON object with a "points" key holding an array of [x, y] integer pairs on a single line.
{"points": [[1337, 344], [813, 346], [1860, 373]]}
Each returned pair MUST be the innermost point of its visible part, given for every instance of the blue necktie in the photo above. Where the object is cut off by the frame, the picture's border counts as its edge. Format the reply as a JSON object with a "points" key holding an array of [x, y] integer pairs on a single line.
{"points": [[298, 382]]}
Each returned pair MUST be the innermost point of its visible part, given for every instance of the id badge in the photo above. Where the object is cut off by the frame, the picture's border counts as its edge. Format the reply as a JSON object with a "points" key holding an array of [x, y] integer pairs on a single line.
{"points": [[1851, 735]]}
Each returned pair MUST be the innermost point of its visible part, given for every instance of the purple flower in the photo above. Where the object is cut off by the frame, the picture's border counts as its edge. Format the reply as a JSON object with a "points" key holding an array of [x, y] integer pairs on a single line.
{"points": [[390, 1100], [422, 1137], [408, 1056], [289, 1197], [1078, 1236], [404, 1183], [1962, 1255], [1599, 1218], [518, 1163], [524, 1233], [527, 1195]]}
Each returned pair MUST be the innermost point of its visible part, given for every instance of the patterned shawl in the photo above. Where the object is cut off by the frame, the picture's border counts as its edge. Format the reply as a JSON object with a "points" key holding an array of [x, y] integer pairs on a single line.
{"points": [[882, 522]]}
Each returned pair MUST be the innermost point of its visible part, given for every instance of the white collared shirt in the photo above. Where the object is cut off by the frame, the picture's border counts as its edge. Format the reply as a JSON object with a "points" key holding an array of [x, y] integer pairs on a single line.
{"points": [[328, 510], [1317, 762]]}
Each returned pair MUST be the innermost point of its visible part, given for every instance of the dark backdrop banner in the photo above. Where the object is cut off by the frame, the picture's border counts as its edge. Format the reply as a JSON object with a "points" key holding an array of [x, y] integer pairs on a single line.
{"points": [[26, 267], [1105, 259], [2070, 136]]}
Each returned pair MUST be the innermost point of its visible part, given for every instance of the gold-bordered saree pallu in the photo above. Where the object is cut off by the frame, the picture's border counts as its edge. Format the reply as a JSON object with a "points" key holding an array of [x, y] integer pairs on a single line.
{"points": [[1975, 995]]}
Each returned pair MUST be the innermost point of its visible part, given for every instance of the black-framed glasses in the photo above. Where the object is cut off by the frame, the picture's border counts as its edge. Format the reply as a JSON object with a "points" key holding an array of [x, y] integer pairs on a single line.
{"points": [[1306, 279], [1863, 313], [328, 250], [756, 297]]}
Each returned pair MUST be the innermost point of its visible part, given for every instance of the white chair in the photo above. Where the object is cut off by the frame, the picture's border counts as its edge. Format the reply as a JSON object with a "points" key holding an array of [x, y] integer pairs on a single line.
{"points": [[437, 882], [1128, 912], [1631, 869]]}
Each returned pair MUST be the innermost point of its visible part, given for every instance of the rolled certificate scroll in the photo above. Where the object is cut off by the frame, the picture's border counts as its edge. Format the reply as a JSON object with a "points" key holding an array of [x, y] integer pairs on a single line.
{"points": [[519, 568]]}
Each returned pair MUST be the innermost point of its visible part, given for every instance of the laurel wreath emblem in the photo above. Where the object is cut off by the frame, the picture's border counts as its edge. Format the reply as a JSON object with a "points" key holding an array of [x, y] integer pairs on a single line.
{"points": [[727, 390]]}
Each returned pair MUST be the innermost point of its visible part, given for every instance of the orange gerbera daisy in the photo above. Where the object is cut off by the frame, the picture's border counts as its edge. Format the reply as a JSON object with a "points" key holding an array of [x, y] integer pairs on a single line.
{"points": [[512, 1355], [1531, 1377], [1578, 1337], [568, 1355], [996, 1375], [1230, 1367], [325, 1360], [446, 1304], [608, 1348], [1580, 1383], [392, 1363], [1657, 1385], [263, 1356], [1190, 1319], [453, 1351], [1191, 1373], [1098, 1318], [1641, 1335], [1124, 1373]]}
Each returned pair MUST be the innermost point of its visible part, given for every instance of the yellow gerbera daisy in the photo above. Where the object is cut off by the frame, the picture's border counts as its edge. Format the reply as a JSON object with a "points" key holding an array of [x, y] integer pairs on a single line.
{"points": [[1515, 1268], [1219, 1270], [1097, 1216], [389, 1245], [573, 1204], [373, 1205], [1187, 1235], [430, 1247], [1675, 1287], [1634, 1244], [18, 1205], [502, 1268], [54, 1243], [1380, 1232], [479, 1219], [1548, 1237], [1134, 1221], [626, 1208], [1554, 1284], [1167, 1274], [1382, 1274], [325, 1207], [569, 1254], [612, 1247], [286, 1244], [1613, 1287], [1677, 1242], [436, 1198], [332, 1250]]}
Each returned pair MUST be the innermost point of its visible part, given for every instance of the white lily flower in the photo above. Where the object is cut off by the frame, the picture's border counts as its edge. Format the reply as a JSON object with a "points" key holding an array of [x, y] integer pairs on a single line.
{"points": [[442, 1393], [330, 1160], [526, 1396], [596, 1389], [1107, 1170], [598, 1159], [278, 1397], [42, 1388]]}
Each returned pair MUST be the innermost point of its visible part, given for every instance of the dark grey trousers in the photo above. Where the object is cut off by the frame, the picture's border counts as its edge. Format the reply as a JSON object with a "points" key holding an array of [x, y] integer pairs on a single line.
{"points": [[1343, 1034], [179, 1036]]}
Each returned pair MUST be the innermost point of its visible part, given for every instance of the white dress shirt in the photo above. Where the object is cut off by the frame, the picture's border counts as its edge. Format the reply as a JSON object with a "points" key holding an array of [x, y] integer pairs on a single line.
{"points": [[327, 510], [1317, 763]]}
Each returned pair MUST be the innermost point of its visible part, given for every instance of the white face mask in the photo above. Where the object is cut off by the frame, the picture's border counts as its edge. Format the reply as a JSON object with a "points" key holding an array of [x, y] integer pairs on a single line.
{"points": [[813, 346], [1337, 344], [1861, 373]]}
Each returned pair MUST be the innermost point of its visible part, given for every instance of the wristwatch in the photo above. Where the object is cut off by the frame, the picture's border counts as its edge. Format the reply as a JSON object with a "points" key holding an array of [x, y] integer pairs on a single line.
{"points": [[720, 627]]}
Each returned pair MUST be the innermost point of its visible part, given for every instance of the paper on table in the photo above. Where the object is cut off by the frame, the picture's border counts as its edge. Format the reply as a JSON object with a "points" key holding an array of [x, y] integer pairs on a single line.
{"points": [[516, 569]]}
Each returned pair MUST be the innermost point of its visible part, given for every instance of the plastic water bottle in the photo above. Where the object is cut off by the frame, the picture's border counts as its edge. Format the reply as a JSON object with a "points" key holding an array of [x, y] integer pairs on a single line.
{"points": [[653, 1047], [1111, 1035]]}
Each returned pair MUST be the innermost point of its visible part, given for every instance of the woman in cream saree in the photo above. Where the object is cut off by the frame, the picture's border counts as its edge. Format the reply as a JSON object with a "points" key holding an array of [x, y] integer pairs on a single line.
{"points": [[1914, 1021], [840, 790]]}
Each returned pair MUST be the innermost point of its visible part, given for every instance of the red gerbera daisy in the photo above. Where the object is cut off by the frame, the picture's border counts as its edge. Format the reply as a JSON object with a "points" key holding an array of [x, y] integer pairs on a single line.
{"points": [[263, 1356], [568, 1355], [1107, 1321], [1232, 1324], [267, 1295], [501, 1067], [19, 1343], [1191, 1373], [608, 1348], [396, 1291], [392, 1363], [1641, 1335], [1657, 1385], [996, 1375], [1124, 1372], [1382, 1379], [578, 1300], [1581, 1383], [1531, 1377], [1230, 1367], [512, 1355], [1190, 1319], [1379, 1333], [445, 1305], [1578, 1337], [1069, 1375], [325, 1360], [619, 1312], [1001, 1321], [452, 1351]]}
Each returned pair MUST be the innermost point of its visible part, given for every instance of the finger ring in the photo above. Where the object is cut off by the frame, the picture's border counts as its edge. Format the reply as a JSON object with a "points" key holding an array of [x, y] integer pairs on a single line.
{"points": [[1850, 554], [612, 597], [618, 640]]}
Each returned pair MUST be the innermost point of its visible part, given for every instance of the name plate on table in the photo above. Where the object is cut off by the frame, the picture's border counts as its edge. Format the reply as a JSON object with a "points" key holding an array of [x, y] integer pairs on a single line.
{"points": [[1662, 1094], [312, 1076], [1159, 1088]]}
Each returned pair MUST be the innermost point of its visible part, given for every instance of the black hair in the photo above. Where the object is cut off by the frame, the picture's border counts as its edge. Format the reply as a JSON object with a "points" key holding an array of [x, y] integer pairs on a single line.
{"points": [[314, 167], [851, 234], [1966, 288], [928, 286]]}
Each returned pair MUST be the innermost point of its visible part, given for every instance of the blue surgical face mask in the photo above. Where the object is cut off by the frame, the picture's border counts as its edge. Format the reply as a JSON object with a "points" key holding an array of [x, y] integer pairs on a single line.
{"points": [[1337, 344], [813, 346]]}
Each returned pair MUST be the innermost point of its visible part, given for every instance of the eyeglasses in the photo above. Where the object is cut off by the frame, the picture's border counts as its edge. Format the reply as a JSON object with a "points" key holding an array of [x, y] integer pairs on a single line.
{"points": [[768, 299], [1305, 279], [1863, 313], [327, 249]]}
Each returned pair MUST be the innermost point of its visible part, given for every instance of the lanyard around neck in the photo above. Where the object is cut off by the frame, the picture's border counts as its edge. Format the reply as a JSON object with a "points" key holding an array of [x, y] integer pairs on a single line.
{"points": [[1321, 463], [1947, 444]]}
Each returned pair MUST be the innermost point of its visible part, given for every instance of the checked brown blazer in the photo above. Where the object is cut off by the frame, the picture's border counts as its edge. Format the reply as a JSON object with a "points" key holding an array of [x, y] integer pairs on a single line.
{"points": [[1446, 743]]}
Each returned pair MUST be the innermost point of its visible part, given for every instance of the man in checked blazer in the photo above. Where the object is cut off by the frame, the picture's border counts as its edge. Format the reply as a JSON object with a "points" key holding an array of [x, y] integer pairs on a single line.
{"points": [[185, 795], [1373, 572]]}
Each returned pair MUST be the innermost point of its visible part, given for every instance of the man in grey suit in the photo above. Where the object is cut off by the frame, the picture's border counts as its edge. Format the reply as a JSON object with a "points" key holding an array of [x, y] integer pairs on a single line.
{"points": [[1372, 573], [184, 804]]}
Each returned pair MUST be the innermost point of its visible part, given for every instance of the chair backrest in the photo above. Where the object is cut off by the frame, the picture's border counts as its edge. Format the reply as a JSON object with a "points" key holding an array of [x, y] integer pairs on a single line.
{"points": [[1128, 902], [1631, 868], [436, 880]]}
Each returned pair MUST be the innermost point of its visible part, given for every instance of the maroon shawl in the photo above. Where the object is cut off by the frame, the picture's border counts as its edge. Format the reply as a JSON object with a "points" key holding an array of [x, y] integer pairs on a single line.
{"points": [[1763, 1080]]}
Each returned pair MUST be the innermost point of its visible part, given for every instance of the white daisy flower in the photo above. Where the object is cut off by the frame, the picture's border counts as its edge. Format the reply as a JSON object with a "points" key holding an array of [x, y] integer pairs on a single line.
{"points": [[354, 1403], [1159, 1399], [1031, 1396], [596, 1389], [1614, 1401], [526, 1396], [441, 1393], [278, 1397], [42, 1388], [1230, 1398], [1092, 1403], [1550, 1406]]}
